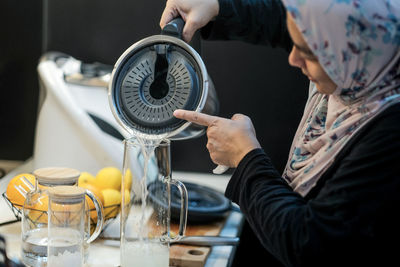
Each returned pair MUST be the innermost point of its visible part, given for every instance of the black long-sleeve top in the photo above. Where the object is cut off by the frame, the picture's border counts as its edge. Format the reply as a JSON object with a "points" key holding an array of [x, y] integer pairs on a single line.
{"points": [[261, 22], [350, 217]]}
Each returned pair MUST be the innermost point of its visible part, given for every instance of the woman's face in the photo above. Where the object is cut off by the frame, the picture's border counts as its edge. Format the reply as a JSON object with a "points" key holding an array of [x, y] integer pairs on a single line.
{"points": [[302, 57]]}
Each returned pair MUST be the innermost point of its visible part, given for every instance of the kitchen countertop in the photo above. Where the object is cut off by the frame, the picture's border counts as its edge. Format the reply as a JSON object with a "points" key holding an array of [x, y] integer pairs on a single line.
{"points": [[220, 256]]}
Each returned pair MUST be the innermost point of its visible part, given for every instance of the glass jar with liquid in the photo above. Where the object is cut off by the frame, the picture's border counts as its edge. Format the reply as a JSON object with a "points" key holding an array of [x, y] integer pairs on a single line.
{"points": [[146, 203], [66, 228]]}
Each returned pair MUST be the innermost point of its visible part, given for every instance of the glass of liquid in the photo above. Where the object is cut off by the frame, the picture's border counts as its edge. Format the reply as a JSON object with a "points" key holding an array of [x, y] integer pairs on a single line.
{"points": [[145, 213]]}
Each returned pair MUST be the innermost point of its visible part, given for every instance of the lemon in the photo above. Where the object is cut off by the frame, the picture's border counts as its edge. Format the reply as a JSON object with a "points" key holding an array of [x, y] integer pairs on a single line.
{"points": [[91, 206], [108, 178], [96, 191], [40, 207], [127, 196], [112, 201], [18, 187], [86, 178], [128, 179], [37, 209]]}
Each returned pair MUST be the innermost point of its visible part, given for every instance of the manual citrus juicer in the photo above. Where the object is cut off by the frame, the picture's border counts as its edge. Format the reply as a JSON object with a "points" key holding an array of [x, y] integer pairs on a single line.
{"points": [[156, 76]]}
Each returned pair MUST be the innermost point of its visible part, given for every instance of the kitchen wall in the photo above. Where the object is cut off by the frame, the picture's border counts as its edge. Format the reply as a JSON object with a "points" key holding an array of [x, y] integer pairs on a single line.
{"points": [[20, 49], [249, 79]]}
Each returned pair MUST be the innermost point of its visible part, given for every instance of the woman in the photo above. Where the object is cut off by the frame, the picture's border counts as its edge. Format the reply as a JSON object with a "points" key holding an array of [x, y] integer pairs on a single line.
{"points": [[336, 202]]}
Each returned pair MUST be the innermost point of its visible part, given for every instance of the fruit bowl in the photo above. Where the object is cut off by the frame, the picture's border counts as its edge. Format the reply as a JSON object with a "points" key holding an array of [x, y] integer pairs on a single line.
{"points": [[15, 208], [110, 213]]}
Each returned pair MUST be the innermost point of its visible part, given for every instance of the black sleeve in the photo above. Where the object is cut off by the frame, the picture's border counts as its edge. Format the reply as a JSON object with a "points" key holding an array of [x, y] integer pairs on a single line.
{"points": [[350, 218], [255, 21]]}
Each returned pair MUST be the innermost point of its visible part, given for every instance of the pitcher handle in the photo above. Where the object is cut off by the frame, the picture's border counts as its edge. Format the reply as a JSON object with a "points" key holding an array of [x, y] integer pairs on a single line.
{"points": [[184, 208], [100, 216]]}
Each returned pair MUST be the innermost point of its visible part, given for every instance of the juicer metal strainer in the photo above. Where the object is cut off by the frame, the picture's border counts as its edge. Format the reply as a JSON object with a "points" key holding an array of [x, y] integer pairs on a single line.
{"points": [[156, 76]]}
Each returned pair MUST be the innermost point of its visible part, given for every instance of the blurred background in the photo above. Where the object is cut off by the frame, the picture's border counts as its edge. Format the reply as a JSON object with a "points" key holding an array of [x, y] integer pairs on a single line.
{"points": [[249, 79]]}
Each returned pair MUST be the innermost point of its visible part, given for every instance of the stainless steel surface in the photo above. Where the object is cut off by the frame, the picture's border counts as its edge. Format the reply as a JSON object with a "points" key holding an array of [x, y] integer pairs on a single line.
{"points": [[206, 241]]}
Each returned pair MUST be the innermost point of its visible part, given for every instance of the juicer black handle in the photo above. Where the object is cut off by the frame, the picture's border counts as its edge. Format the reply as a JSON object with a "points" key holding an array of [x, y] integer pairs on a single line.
{"points": [[174, 28]]}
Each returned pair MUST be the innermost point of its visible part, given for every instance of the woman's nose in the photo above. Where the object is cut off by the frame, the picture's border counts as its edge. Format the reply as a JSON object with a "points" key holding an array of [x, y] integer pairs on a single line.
{"points": [[295, 58]]}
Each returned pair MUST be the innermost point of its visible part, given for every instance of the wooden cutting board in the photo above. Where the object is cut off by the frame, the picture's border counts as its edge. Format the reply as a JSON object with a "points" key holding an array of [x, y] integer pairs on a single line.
{"points": [[193, 256]]}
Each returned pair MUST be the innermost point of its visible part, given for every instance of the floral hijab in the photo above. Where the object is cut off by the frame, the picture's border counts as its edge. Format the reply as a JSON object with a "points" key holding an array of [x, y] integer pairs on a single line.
{"points": [[357, 42]]}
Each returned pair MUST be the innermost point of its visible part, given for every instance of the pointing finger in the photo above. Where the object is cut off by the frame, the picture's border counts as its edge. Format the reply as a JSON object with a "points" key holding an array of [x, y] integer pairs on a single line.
{"points": [[196, 117]]}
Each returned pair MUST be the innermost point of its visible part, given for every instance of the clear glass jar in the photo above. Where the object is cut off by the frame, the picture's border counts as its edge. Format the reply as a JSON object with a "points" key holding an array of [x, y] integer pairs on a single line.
{"points": [[66, 230], [34, 219], [146, 200]]}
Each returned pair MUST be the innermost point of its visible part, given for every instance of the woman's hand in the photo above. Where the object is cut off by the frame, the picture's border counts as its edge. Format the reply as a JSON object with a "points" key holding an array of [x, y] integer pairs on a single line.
{"points": [[196, 14], [229, 140]]}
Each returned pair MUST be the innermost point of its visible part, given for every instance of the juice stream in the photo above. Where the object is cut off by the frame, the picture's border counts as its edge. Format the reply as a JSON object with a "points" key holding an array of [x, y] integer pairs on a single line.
{"points": [[147, 147]]}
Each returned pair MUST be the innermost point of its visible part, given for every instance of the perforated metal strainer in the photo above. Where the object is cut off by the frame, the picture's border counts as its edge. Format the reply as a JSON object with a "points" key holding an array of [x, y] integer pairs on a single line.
{"points": [[156, 76]]}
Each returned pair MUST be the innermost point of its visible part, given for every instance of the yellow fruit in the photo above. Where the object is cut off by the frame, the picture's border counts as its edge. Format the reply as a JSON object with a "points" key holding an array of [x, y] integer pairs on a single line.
{"points": [[108, 178], [96, 191], [128, 179], [127, 196], [92, 209], [38, 209], [18, 187], [112, 201], [86, 178]]}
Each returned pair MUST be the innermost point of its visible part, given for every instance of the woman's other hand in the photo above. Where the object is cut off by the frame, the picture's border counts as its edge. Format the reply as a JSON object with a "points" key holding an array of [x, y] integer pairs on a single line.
{"points": [[229, 140], [195, 13]]}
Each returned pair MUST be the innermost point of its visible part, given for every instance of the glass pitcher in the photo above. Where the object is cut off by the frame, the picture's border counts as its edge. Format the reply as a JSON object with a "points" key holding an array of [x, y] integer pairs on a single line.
{"points": [[66, 226], [34, 220], [145, 213]]}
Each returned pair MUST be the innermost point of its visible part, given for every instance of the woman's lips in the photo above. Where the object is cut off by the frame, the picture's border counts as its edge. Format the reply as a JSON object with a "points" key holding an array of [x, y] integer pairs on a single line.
{"points": [[309, 77]]}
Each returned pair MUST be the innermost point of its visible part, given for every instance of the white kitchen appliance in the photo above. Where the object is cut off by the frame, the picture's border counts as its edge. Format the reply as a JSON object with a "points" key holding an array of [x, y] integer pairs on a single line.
{"points": [[75, 126]]}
